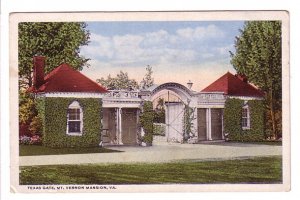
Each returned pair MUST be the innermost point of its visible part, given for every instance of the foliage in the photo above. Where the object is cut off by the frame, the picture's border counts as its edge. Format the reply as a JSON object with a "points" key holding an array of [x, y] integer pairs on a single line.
{"points": [[36, 125], [33, 140], [188, 125], [146, 120], [233, 120], [55, 122], [258, 56], [159, 129], [27, 110], [24, 139], [252, 170], [57, 41], [148, 80], [159, 112], [120, 82]]}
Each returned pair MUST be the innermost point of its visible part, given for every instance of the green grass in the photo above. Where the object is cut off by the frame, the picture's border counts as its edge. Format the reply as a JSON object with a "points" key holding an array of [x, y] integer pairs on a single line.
{"points": [[34, 150], [273, 143], [252, 170]]}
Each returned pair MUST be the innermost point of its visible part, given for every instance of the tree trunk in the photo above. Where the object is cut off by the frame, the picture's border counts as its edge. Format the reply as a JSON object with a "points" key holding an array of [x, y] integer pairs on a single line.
{"points": [[272, 112]]}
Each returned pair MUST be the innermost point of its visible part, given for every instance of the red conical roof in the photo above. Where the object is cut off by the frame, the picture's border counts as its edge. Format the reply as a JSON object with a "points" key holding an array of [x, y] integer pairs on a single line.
{"points": [[233, 86], [65, 79]]}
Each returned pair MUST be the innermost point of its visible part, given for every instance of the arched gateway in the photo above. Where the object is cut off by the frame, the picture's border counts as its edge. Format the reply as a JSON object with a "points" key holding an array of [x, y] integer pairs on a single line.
{"points": [[177, 99], [189, 116]]}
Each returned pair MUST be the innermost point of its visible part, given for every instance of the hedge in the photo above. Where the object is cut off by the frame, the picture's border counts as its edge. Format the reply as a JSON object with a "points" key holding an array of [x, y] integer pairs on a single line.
{"points": [[53, 112], [233, 120], [146, 120]]}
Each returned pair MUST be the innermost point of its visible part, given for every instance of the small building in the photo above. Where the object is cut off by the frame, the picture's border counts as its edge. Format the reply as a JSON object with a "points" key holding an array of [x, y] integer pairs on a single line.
{"points": [[77, 111]]}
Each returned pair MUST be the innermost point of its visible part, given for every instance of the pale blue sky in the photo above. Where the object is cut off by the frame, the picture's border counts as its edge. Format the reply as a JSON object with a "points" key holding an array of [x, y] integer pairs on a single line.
{"points": [[178, 51]]}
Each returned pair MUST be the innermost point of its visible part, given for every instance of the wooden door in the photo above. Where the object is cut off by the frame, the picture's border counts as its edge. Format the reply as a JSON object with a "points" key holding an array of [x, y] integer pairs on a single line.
{"points": [[129, 126], [216, 123], [201, 121], [109, 125]]}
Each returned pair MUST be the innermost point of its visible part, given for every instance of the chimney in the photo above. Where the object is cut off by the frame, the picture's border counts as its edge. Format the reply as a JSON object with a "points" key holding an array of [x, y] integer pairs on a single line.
{"points": [[38, 71], [242, 77]]}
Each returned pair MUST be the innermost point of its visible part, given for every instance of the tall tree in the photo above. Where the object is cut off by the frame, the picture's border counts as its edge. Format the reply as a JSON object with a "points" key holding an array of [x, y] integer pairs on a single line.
{"points": [[148, 80], [258, 56], [120, 82], [58, 41]]}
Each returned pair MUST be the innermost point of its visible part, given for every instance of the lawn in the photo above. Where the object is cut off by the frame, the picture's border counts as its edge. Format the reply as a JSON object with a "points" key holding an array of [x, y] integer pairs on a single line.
{"points": [[253, 170], [274, 143], [33, 150]]}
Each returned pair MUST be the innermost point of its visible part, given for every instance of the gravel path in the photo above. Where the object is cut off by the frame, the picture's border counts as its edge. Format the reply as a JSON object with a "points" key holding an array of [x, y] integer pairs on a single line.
{"points": [[158, 153]]}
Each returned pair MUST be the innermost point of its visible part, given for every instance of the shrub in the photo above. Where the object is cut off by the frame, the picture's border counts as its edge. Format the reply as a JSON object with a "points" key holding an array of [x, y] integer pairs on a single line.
{"points": [[35, 126], [233, 122], [24, 140], [53, 113], [159, 129], [146, 120]]}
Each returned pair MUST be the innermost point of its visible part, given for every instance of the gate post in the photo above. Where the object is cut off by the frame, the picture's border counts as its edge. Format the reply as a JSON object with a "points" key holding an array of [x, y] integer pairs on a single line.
{"points": [[119, 117]]}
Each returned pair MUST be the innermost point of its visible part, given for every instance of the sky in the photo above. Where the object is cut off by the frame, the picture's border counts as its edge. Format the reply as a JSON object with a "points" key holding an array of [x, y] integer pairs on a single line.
{"points": [[177, 51]]}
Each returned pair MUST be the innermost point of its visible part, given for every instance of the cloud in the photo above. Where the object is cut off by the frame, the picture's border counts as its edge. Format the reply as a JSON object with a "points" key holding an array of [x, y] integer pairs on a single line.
{"points": [[225, 50], [181, 55], [200, 32], [100, 46]]}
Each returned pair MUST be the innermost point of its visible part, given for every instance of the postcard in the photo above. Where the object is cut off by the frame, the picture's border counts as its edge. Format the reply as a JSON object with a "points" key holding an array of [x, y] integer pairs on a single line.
{"points": [[149, 101]]}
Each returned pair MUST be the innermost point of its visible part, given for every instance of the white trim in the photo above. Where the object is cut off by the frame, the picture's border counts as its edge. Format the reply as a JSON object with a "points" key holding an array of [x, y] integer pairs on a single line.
{"points": [[208, 124], [75, 105], [120, 125], [246, 106], [246, 98], [72, 94]]}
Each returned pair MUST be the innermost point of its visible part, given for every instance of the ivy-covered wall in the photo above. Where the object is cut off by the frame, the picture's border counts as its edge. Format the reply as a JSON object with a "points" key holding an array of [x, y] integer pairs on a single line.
{"points": [[233, 120], [53, 112], [146, 120]]}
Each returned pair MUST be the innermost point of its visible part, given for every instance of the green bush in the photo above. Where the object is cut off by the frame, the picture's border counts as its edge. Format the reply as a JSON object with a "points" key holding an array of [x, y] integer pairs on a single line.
{"points": [[146, 120], [53, 113], [159, 129], [35, 126], [233, 120]]}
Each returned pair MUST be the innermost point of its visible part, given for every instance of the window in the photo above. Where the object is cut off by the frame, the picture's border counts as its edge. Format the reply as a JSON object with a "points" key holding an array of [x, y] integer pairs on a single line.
{"points": [[245, 117], [74, 125]]}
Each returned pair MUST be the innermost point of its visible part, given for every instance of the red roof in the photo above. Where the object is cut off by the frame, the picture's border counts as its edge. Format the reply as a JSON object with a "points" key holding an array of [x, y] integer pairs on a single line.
{"points": [[65, 79], [232, 85]]}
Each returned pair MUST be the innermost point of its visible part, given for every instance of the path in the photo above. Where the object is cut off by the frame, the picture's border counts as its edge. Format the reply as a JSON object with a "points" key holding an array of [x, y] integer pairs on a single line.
{"points": [[159, 153]]}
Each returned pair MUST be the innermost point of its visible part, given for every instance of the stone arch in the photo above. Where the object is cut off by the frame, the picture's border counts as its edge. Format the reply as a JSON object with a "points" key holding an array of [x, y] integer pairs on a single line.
{"points": [[174, 109], [183, 92]]}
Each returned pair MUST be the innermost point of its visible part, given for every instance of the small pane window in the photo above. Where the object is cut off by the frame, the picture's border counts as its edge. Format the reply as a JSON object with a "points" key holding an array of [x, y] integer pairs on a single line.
{"points": [[74, 114], [74, 126], [245, 117]]}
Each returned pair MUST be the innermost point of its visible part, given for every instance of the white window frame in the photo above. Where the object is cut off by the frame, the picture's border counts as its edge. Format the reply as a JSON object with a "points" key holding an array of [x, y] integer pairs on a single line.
{"points": [[75, 105], [247, 127]]}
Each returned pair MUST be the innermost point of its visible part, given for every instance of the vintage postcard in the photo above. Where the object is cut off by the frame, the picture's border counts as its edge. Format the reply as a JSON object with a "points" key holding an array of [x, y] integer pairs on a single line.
{"points": [[149, 101]]}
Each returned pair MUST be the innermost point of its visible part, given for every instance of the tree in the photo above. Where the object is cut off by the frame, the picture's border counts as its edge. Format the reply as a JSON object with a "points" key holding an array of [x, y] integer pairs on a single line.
{"points": [[57, 41], [120, 82], [148, 80], [258, 56], [27, 112], [159, 112]]}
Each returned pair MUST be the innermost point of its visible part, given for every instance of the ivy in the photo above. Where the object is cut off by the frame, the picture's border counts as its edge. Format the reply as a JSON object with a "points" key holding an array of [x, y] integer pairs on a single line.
{"points": [[188, 125], [233, 120], [53, 112], [146, 120]]}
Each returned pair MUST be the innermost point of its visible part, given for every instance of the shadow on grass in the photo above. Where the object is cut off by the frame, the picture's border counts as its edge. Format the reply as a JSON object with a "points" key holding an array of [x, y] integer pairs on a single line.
{"points": [[263, 170]]}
